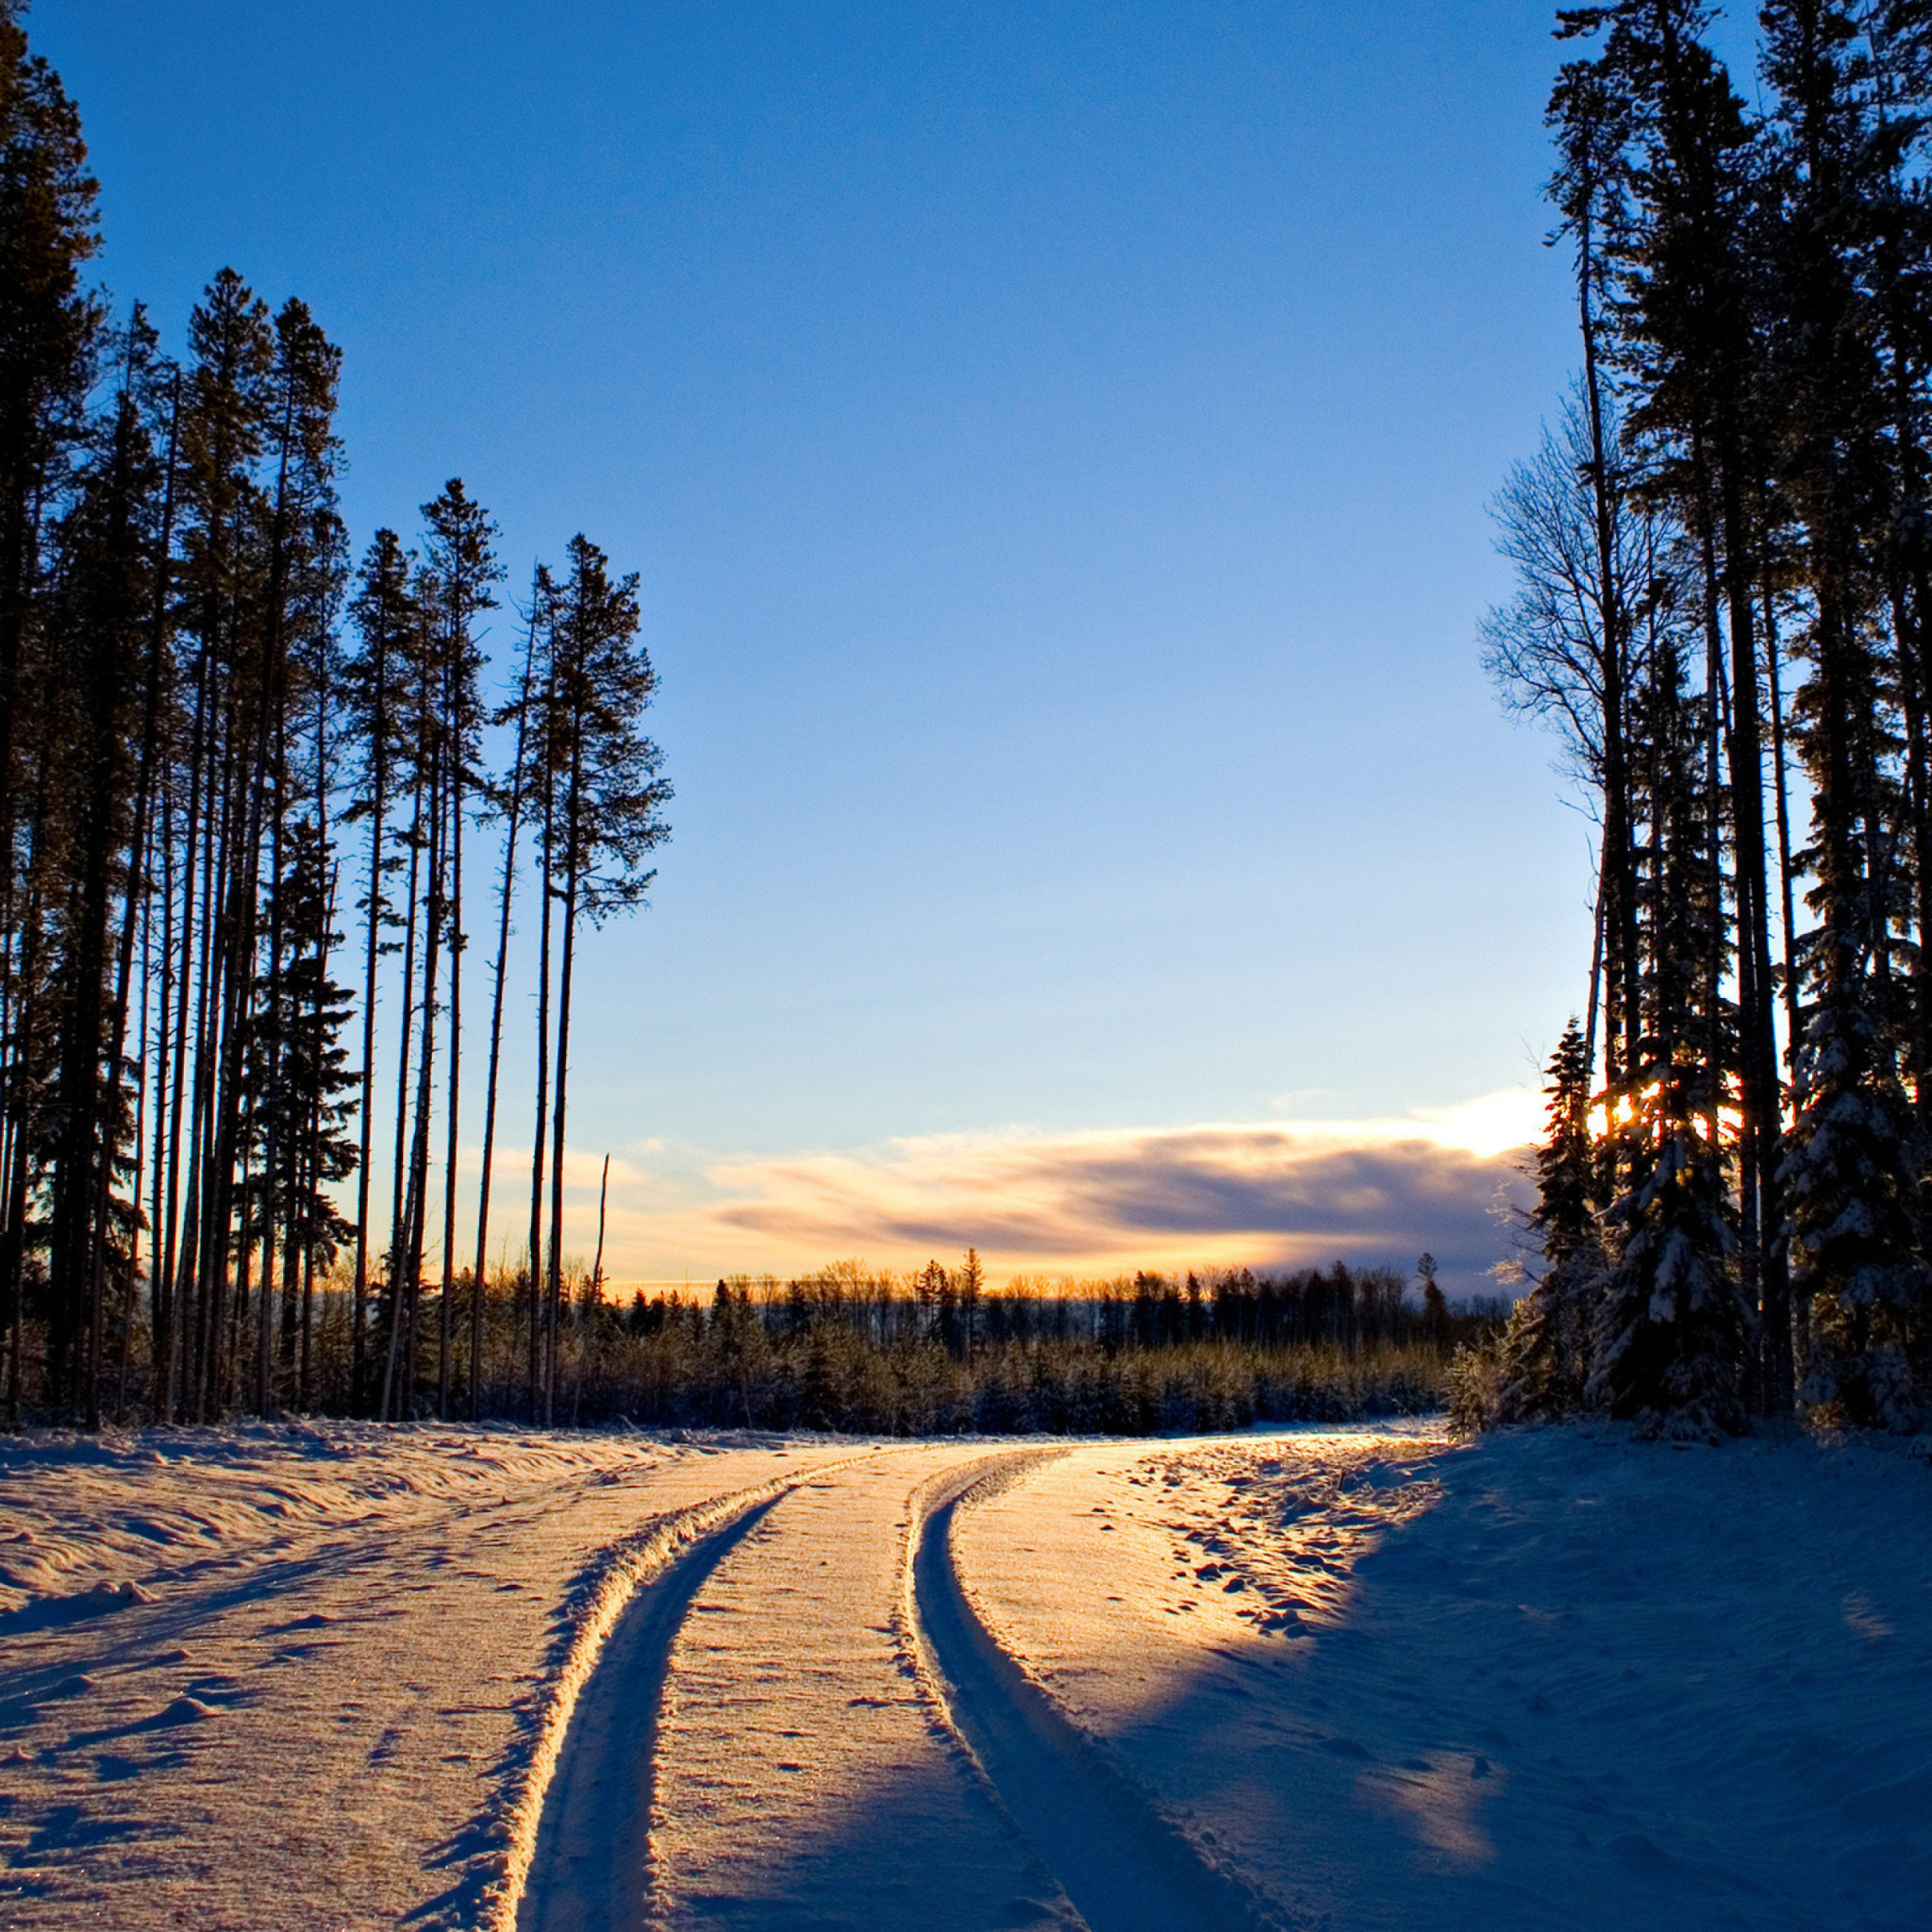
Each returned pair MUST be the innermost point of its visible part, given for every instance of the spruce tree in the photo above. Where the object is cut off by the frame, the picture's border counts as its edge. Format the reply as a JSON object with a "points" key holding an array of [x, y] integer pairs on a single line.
{"points": [[1546, 1358], [1852, 1165], [1671, 1320], [50, 331], [376, 679], [606, 815]]}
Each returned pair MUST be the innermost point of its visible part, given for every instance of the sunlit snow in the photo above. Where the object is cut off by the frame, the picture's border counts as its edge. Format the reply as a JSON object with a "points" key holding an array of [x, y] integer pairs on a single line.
{"points": [[338, 1677]]}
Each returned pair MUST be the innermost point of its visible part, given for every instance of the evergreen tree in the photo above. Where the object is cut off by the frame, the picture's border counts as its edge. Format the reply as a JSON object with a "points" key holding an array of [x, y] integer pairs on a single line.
{"points": [[508, 799], [50, 330], [99, 610], [1673, 1321], [376, 679], [1851, 1167], [608, 797], [1546, 1357], [459, 550], [296, 1143]]}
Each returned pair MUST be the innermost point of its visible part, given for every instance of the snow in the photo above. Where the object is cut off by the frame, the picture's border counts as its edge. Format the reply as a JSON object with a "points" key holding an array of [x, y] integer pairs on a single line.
{"points": [[1554, 1678], [333, 1676], [357, 1643]]}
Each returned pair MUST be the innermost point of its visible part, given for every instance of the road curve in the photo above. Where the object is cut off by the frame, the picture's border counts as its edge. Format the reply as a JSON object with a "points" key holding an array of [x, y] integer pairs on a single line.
{"points": [[1118, 1858], [753, 1749], [801, 1721]]}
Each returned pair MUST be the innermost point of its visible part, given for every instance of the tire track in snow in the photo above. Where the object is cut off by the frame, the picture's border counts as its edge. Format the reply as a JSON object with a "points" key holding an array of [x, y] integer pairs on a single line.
{"points": [[1120, 1859], [640, 1560], [592, 1868]]}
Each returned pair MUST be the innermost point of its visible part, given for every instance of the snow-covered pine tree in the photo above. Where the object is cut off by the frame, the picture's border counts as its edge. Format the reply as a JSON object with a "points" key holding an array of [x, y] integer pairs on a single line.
{"points": [[1546, 1346], [1851, 1175], [1851, 1167], [1671, 1322], [1853, 1160]]}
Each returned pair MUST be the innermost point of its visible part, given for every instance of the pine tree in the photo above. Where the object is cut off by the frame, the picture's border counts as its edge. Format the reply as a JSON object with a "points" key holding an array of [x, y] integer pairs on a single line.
{"points": [[507, 798], [1672, 1321], [296, 1142], [1546, 1357], [221, 577], [459, 550], [607, 814], [1591, 118], [377, 680], [50, 330], [100, 611]]}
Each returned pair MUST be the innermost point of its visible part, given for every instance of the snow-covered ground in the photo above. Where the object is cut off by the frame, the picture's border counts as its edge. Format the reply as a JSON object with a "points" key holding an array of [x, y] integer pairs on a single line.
{"points": [[339, 1677]]}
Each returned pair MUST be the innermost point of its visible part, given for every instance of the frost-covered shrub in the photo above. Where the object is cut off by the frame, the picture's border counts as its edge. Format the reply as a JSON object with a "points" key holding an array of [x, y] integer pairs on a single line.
{"points": [[1476, 1386]]}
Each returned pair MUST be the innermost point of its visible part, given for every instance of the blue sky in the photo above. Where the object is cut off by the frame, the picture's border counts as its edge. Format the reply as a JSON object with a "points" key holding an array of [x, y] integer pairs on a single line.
{"points": [[1054, 441]]}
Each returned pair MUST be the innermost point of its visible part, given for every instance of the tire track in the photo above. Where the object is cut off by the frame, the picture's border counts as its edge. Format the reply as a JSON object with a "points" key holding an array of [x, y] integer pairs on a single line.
{"points": [[537, 1868], [592, 1868], [1116, 1854]]}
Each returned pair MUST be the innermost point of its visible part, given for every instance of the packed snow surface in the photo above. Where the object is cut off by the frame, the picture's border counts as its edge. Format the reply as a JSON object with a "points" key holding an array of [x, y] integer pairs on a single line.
{"points": [[331, 1676]]}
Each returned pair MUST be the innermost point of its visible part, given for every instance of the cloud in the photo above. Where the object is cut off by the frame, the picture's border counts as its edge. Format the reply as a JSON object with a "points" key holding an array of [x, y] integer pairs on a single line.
{"points": [[1099, 1203]]}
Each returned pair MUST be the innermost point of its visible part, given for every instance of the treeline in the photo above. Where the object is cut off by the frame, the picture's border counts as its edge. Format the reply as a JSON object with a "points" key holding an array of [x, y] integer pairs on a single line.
{"points": [[238, 766], [1726, 604], [933, 1353]]}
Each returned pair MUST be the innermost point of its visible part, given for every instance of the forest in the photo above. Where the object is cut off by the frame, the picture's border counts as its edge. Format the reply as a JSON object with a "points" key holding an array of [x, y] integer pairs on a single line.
{"points": [[1724, 605], [227, 745]]}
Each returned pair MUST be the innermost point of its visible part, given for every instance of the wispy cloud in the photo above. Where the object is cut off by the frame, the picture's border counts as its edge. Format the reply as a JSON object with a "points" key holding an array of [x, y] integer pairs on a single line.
{"points": [[1096, 1203]]}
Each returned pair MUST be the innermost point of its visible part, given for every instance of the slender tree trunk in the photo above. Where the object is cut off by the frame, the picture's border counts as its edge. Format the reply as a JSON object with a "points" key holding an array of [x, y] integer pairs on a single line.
{"points": [[1764, 1268], [573, 869], [274, 1150], [536, 1270], [1714, 686], [130, 1304], [513, 818], [456, 1022], [378, 813], [563, 991], [25, 1024], [398, 1226], [598, 1266], [1617, 892], [437, 913], [1788, 917]]}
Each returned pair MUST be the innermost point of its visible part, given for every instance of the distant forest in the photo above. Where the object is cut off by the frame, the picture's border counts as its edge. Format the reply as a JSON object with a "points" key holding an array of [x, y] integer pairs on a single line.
{"points": [[1723, 551]]}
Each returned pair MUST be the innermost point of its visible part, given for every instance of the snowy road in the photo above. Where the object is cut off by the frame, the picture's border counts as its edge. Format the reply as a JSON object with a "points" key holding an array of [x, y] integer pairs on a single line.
{"points": [[1346, 1680]]}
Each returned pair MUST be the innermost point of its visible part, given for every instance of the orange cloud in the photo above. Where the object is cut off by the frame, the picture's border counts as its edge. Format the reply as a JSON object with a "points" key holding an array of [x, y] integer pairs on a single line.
{"points": [[1081, 1204]]}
